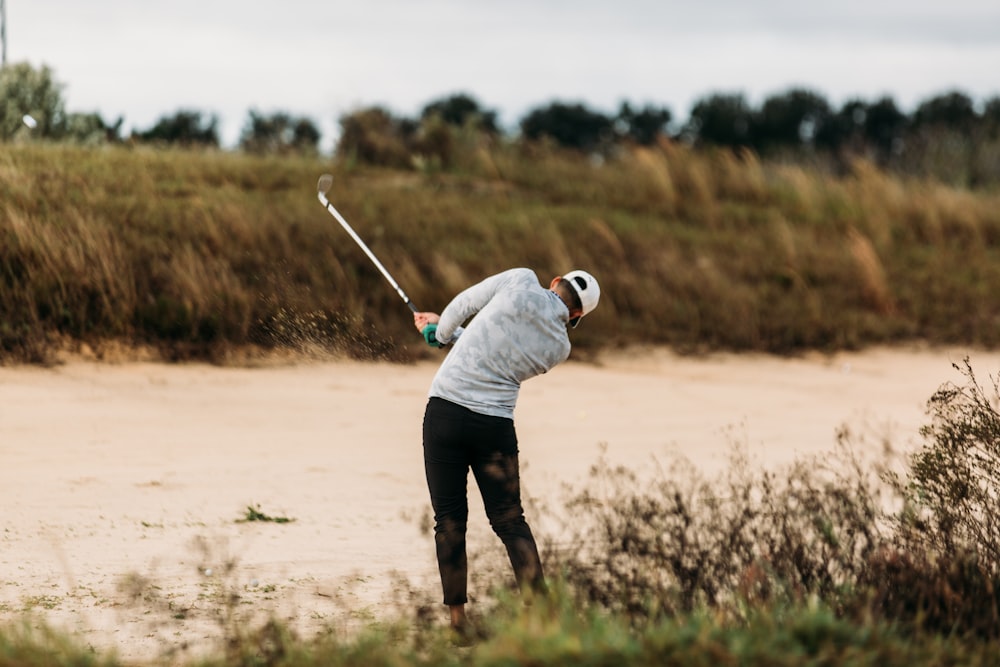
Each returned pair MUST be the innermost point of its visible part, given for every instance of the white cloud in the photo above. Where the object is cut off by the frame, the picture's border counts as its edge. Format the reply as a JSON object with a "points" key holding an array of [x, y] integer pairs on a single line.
{"points": [[323, 58]]}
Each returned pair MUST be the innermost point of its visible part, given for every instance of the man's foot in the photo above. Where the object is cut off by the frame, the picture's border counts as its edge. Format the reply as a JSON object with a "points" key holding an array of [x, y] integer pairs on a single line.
{"points": [[463, 634], [468, 633], [463, 631]]}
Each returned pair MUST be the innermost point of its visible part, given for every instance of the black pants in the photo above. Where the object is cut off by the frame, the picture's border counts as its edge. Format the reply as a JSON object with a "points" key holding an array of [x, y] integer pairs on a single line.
{"points": [[455, 440]]}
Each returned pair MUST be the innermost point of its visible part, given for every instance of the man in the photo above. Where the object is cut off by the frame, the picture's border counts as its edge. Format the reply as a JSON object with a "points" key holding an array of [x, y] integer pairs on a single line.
{"points": [[519, 331]]}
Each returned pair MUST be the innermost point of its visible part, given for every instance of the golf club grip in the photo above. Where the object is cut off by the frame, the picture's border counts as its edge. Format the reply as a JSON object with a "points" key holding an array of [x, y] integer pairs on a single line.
{"points": [[357, 239]]}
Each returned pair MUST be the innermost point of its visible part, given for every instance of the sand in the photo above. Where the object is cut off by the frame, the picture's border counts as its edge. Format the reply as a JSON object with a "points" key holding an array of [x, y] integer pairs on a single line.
{"points": [[123, 484]]}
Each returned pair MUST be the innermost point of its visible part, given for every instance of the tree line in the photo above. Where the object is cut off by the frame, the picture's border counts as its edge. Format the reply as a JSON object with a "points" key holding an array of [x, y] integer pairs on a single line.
{"points": [[948, 136]]}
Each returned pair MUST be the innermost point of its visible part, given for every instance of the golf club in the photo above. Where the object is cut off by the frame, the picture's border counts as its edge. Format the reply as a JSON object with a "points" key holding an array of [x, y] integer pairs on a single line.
{"points": [[325, 181]]}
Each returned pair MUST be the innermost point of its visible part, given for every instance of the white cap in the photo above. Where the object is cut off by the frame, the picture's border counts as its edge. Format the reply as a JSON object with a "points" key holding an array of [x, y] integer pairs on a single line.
{"points": [[586, 287]]}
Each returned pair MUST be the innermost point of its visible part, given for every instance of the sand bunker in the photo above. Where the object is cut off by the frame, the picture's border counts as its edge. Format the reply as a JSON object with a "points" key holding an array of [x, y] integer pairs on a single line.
{"points": [[123, 485]]}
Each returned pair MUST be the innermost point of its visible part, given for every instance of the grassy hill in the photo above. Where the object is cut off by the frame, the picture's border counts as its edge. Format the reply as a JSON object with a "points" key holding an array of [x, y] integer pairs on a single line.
{"points": [[203, 254], [208, 255]]}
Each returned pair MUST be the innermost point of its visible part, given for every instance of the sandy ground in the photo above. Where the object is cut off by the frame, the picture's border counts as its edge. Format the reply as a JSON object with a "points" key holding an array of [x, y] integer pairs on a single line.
{"points": [[122, 484]]}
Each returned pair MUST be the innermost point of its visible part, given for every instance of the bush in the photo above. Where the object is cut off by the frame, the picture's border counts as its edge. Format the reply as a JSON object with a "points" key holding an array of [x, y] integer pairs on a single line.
{"points": [[682, 542], [918, 549], [954, 484], [373, 136]]}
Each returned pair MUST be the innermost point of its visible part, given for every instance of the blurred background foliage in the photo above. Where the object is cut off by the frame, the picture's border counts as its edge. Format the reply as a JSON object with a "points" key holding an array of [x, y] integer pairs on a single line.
{"points": [[780, 229], [949, 136]]}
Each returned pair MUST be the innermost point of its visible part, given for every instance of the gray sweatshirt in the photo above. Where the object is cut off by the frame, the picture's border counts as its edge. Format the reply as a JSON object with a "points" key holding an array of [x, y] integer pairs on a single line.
{"points": [[519, 331]]}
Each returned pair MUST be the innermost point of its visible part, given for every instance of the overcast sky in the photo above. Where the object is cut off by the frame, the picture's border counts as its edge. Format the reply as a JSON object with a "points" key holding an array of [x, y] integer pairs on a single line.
{"points": [[143, 59]]}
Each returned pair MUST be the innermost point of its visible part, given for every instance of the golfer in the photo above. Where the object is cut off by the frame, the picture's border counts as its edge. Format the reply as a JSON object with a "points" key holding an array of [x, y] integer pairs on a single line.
{"points": [[519, 331]]}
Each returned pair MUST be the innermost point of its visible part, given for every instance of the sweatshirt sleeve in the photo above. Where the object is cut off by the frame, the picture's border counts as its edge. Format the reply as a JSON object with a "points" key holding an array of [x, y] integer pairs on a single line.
{"points": [[469, 302]]}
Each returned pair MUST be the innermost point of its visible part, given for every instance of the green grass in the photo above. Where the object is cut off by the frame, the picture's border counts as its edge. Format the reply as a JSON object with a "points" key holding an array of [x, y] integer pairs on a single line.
{"points": [[208, 255], [254, 513], [557, 632]]}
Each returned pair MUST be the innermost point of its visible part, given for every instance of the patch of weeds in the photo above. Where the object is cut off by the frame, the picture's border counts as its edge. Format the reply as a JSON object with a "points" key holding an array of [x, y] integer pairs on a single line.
{"points": [[254, 513], [40, 601]]}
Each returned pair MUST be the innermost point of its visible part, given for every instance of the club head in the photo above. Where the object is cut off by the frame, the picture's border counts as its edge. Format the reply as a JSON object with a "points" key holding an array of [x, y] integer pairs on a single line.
{"points": [[325, 181]]}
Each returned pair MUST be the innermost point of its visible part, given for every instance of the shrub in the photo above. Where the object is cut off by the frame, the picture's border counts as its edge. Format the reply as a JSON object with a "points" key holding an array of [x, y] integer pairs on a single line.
{"points": [[682, 542], [917, 549], [954, 483]]}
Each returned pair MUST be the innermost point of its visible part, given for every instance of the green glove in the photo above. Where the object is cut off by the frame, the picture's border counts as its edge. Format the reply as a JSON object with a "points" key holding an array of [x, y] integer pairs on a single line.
{"points": [[430, 335]]}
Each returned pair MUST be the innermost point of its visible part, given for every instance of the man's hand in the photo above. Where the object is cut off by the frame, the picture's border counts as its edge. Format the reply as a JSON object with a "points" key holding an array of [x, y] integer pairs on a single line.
{"points": [[421, 320], [426, 324]]}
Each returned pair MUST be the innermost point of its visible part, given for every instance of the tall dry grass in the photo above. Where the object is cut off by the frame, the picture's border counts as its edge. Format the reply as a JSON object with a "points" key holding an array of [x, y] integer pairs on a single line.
{"points": [[201, 254]]}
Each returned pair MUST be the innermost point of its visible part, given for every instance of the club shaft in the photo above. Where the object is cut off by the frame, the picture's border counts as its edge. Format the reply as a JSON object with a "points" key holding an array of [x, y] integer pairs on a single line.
{"points": [[357, 239]]}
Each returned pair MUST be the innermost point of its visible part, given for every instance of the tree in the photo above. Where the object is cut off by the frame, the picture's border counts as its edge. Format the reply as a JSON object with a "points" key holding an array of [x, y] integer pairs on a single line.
{"points": [[460, 110], [569, 125], [722, 119], [644, 126], [374, 136], [25, 90], [791, 119], [862, 127], [952, 110], [185, 127], [845, 130], [91, 128], [279, 133], [945, 140], [991, 117], [884, 127]]}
